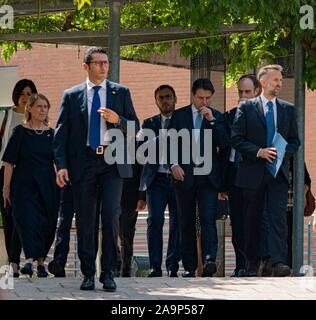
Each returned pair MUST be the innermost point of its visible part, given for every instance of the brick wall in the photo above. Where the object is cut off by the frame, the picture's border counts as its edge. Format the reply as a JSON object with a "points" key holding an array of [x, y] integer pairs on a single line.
{"points": [[54, 69]]}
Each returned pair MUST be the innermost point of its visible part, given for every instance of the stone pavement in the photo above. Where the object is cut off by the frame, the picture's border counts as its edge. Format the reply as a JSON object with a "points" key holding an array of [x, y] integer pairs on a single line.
{"points": [[165, 288]]}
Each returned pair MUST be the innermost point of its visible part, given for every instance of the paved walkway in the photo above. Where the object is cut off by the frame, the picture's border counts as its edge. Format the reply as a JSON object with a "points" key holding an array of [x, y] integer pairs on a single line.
{"points": [[167, 289]]}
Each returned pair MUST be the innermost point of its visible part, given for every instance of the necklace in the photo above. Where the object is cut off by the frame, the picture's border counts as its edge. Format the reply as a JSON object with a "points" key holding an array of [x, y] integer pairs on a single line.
{"points": [[35, 130]]}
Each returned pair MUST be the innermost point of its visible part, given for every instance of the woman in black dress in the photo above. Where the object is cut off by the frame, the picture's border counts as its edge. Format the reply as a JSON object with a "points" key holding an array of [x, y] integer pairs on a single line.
{"points": [[9, 119], [29, 183]]}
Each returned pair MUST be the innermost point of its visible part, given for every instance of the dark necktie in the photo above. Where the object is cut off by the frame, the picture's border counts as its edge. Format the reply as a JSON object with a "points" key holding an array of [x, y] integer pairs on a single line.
{"points": [[270, 134], [165, 126], [94, 129], [270, 124], [237, 158]]}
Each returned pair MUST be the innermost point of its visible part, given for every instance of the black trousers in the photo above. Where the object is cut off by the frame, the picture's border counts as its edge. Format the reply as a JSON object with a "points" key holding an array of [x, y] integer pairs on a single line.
{"points": [[103, 180], [66, 214], [236, 204], [275, 192], [202, 196], [128, 221], [12, 241]]}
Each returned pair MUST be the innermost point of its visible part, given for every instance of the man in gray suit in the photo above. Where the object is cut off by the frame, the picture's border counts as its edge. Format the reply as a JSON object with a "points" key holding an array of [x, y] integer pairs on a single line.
{"points": [[86, 114]]}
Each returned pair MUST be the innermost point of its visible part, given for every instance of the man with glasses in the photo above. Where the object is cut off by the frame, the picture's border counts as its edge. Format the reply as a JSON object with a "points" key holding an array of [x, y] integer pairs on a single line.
{"points": [[156, 181], [86, 113]]}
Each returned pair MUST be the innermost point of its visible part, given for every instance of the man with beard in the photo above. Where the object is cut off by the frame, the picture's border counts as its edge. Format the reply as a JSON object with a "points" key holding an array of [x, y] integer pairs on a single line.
{"points": [[248, 88], [156, 181], [255, 125]]}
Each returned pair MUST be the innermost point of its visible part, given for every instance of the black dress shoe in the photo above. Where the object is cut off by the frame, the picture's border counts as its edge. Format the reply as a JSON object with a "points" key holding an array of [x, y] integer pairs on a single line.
{"points": [[109, 284], [87, 283], [251, 273], [238, 273], [27, 269], [16, 274], [56, 269], [172, 274], [188, 274], [41, 272], [265, 269], [281, 270], [209, 268], [155, 273]]}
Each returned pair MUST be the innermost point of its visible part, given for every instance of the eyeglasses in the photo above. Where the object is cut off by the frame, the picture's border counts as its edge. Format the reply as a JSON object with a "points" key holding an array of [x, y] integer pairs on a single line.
{"points": [[100, 63], [167, 96]]}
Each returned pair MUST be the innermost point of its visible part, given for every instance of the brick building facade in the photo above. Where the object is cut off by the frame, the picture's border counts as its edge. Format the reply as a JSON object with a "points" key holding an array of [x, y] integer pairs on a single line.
{"points": [[54, 69]]}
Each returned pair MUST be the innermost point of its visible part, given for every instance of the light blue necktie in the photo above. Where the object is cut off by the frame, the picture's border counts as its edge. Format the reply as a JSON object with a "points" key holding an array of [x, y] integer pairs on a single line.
{"points": [[94, 133], [198, 121], [270, 134]]}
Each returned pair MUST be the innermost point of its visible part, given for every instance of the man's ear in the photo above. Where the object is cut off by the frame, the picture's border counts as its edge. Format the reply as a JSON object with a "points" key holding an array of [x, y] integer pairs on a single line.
{"points": [[85, 66]]}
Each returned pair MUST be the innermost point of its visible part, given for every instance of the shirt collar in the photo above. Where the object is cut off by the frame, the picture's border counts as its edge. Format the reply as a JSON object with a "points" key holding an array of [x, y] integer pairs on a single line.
{"points": [[164, 118], [194, 109], [90, 85], [265, 100]]}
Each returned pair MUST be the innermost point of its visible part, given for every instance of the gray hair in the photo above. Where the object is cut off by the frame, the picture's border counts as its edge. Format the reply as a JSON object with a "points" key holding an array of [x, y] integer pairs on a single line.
{"points": [[264, 70]]}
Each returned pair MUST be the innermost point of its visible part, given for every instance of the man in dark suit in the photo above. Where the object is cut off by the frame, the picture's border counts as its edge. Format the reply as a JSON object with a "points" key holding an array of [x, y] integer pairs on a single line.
{"points": [[248, 88], [132, 202], [196, 189], [156, 181], [87, 112], [255, 125]]}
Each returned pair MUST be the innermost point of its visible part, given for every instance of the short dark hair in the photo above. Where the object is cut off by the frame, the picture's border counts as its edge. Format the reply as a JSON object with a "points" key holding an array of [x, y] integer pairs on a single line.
{"points": [[204, 84], [251, 77], [19, 87], [165, 86], [90, 51]]}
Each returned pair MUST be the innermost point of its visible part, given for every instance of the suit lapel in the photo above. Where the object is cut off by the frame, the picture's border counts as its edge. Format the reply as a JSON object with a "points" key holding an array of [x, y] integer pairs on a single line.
{"points": [[189, 117], [259, 110], [111, 92], [83, 102], [280, 113]]}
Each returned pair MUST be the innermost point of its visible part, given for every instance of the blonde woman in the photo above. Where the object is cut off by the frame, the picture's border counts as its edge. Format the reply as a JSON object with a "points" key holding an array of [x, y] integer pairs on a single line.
{"points": [[29, 183]]}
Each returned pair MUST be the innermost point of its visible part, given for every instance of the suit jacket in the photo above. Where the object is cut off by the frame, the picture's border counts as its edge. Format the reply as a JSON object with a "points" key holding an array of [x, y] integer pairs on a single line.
{"points": [[131, 193], [249, 135], [150, 170], [72, 127], [182, 119], [224, 153]]}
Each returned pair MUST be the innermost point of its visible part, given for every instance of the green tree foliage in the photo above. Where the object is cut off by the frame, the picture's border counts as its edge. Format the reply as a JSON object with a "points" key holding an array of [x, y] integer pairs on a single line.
{"points": [[278, 28]]}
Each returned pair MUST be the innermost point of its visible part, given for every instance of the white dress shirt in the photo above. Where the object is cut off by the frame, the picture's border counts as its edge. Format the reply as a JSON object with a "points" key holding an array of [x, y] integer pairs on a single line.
{"points": [[265, 107], [102, 95], [265, 101], [161, 168]]}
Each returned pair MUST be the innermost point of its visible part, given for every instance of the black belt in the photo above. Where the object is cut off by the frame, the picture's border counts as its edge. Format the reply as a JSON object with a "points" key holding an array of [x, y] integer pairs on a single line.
{"points": [[99, 151]]}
